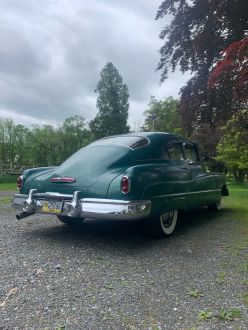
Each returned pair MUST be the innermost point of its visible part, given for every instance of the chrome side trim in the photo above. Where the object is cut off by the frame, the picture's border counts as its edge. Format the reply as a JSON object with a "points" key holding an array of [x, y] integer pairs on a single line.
{"points": [[73, 206], [63, 180], [189, 193]]}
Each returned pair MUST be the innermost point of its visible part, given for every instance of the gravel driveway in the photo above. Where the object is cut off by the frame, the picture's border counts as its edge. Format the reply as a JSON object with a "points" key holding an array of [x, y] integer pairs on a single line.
{"points": [[109, 275]]}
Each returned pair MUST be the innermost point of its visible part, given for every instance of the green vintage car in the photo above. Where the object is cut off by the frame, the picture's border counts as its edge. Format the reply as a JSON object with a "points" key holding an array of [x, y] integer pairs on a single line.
{"points": [[146, 176]]}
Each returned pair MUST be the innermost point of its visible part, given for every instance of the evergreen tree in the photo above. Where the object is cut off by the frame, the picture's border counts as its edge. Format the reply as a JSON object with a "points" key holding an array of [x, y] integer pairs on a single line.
{"points": [[112, 104]]}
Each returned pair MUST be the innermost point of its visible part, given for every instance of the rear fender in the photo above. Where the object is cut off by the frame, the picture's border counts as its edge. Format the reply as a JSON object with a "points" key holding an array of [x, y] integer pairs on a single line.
{"points": [[221, 184], [152, 182], [30, 174]]}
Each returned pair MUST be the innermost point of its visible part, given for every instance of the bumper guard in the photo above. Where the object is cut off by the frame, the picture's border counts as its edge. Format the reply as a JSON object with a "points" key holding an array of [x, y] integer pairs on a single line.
{"points": [[75, 207]]}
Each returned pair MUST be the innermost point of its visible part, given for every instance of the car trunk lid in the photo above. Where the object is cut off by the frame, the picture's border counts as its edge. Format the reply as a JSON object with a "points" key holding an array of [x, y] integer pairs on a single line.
{"points": [[86, 167]]}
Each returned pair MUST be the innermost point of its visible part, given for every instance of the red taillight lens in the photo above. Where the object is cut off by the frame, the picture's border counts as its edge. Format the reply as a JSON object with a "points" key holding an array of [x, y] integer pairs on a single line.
{"points": [[125, 185], [19, 182]]}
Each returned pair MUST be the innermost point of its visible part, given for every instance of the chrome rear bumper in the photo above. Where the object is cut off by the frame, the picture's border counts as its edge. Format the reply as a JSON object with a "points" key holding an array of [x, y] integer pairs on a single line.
{"points": [[75, 207]]}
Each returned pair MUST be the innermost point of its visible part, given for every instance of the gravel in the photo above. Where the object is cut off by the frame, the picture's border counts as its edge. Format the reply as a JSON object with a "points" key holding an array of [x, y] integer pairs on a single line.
{"points": [[110, 275]]}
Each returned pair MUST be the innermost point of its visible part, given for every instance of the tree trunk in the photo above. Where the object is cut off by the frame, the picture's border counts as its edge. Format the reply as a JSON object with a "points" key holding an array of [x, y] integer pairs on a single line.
{"points": [[239, 175]]}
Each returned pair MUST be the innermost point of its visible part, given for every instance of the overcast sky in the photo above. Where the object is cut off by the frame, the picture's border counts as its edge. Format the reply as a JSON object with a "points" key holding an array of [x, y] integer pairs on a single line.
{"points": [[52, 52]]}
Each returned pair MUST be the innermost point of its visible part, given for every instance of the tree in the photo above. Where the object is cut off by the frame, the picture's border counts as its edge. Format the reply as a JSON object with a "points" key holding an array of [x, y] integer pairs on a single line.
{"points": [[51, 146], [9, 134], [200, 106], [162, 116], [206, 142], [112, 103], [45, 146], [73, 135], [232, 149], [14, 143], [42, 145], [2, 140], [197, 32], [23, 145], [232, 71]]}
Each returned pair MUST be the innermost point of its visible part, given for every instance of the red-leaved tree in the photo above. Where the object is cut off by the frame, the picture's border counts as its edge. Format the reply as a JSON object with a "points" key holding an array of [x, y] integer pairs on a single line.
{"points": [[194, 34], [232, 71]]}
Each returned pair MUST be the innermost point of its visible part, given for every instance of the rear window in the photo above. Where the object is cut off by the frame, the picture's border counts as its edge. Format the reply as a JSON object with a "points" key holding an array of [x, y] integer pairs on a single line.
{"points": [[132, 142], [92, 160]]}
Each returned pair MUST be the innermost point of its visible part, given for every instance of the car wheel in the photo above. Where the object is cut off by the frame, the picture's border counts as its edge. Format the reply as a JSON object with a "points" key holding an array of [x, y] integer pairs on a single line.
{"points": [[70, 221], [163, 225], [216, 206]]}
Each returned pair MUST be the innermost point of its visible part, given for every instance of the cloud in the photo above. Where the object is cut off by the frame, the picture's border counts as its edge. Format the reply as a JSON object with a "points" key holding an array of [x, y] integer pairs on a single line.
{"points": [[52, 52]]}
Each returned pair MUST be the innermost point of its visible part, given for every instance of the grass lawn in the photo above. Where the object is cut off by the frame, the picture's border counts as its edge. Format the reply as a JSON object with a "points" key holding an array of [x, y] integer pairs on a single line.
{"points": [[236, 212], [238, 201], [8, 182], [8, 186]]}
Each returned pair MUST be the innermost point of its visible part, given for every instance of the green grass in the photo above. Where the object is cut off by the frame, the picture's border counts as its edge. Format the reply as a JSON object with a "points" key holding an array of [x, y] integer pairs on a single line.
{"points": [[195, 293], [8, 182], [238, 196], [229, 315], [8, 178], [236, 210], [205, 315], [236, 205], [8, 186]]}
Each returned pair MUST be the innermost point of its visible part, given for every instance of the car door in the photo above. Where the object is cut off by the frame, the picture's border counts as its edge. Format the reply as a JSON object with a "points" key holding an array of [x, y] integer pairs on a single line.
{"points": [[185, 183], [205, 183]]}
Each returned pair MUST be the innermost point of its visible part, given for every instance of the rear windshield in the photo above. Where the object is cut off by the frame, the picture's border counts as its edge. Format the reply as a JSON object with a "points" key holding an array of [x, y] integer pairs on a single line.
{"points": [[132, 142], [92, 160]]}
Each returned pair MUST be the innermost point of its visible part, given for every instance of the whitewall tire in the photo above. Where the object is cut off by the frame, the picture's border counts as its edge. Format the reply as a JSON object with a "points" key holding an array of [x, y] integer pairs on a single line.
{"points": [[164, 225]]}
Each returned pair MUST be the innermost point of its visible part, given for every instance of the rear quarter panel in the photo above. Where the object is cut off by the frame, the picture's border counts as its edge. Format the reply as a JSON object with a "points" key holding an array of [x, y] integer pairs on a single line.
{"points": [[30, 174], [220, 182], [156, 182]]}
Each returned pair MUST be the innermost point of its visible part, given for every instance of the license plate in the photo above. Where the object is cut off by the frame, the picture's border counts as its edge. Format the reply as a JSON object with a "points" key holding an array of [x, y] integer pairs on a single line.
{"points": [[52, 206]]}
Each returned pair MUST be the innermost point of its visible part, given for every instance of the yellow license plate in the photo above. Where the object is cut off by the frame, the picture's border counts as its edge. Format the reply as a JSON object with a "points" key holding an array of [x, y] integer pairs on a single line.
{"points": [[52, 207]]}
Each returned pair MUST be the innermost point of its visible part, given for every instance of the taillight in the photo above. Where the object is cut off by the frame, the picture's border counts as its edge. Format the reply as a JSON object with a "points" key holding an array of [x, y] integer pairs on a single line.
{"points": [[19, 182], [125, 185]]}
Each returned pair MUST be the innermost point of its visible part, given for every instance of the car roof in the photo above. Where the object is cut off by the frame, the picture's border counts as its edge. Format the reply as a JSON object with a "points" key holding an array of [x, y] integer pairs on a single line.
{"points": [[152, 136]]}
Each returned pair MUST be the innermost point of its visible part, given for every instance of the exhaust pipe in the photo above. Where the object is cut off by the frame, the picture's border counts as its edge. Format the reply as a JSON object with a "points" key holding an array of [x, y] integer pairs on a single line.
{"points": [[22, 215]]}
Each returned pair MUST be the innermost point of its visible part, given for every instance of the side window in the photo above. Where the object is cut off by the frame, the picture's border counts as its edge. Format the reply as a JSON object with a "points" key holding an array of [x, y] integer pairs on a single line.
{"points": [[175, 151], [190, 152]]}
